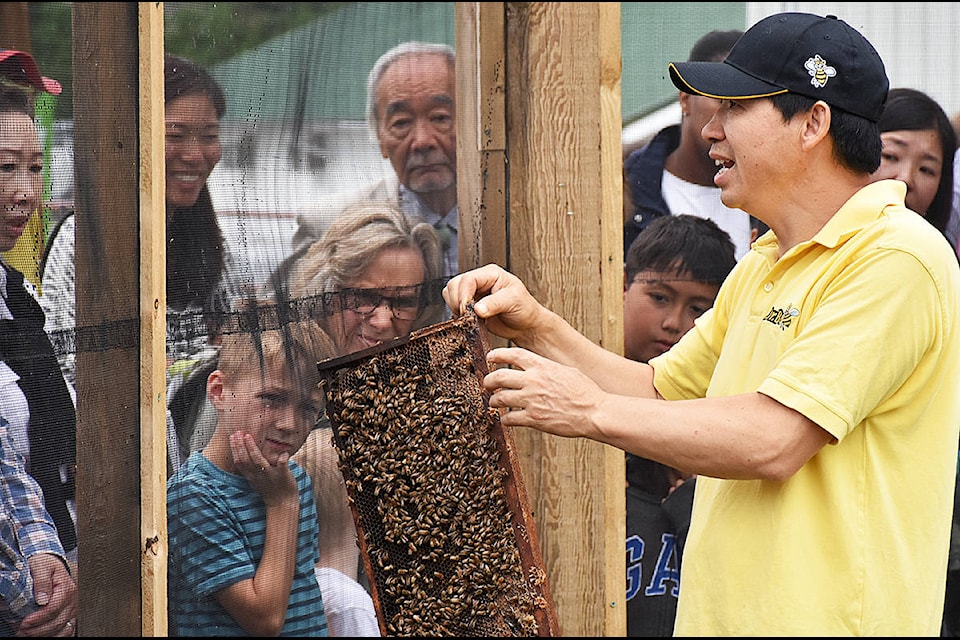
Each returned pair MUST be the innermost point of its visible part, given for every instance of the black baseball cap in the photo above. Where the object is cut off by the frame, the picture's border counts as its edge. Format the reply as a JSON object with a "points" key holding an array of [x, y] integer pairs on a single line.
{"points": [[823, 58], [20, 68]]}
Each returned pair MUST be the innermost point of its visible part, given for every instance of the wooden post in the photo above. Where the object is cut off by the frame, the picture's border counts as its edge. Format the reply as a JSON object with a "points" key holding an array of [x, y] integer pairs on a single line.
{"points": [[481, 133], [153, 305], [106, 148], [544, 199], [15, 26]]}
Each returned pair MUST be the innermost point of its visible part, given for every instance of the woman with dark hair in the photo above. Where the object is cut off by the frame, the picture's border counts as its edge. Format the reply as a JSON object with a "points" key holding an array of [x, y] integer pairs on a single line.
{"points": [[200, 282], [196, 249], [918, 147], [38, 446]]}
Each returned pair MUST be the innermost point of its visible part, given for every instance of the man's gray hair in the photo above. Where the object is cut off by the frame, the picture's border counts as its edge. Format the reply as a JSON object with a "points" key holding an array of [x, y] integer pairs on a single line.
{"points": [[412, 48]]}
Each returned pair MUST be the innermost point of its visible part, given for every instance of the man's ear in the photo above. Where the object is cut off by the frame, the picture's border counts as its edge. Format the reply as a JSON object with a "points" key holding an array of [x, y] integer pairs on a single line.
{"points": [[683, 99], [817, 124]]}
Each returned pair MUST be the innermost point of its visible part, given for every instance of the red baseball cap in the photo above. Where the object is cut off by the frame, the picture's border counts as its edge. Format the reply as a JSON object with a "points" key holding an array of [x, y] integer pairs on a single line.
{"points": [[21, 68]]}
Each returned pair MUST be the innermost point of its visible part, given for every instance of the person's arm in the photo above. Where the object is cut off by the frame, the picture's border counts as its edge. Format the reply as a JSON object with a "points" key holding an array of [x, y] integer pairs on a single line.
{"points": [[259, 604], [568, 386], [745, 436], [511, 312], [36, 537]]}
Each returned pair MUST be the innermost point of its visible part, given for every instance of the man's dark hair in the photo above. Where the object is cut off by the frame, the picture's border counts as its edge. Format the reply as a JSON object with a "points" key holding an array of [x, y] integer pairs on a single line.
{"points": [[714, 46], [856, 139], [685, 245]]}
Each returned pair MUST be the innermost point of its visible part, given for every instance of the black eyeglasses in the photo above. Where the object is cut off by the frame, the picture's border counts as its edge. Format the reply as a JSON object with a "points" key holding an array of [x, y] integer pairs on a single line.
{"points": [[404, 302]]}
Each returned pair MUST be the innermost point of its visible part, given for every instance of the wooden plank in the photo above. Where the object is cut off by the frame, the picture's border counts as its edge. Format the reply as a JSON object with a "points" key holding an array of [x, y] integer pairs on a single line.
{"points": [[611, 308], [15, 26], [564, 209], [153, 467], [105, 63], [481, 129]]}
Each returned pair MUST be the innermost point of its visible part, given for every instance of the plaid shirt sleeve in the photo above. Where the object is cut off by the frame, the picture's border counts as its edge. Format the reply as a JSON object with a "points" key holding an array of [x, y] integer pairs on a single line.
{"points": [[26, 524]]}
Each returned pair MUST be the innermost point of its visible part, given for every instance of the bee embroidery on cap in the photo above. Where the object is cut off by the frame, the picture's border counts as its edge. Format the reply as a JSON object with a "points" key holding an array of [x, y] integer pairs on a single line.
{"points": [[819, 70]]}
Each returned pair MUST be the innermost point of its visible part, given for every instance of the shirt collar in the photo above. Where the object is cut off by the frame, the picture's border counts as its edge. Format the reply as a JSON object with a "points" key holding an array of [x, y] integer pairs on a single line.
{"points": [[5, 313], [863, 208], [411, 204]]}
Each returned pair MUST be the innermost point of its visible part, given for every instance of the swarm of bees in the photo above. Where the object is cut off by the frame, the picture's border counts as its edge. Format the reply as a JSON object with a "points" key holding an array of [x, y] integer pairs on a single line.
{"points": [[445, 535]]}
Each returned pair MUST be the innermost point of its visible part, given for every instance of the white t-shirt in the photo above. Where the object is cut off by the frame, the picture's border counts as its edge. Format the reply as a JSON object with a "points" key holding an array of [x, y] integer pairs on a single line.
{"points": [[347, 605], [704, 202]]}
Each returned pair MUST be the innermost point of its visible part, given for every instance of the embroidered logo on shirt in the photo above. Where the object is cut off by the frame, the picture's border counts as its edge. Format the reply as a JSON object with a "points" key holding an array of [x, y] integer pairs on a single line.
{"points": [[782, 318], [819, 71]]}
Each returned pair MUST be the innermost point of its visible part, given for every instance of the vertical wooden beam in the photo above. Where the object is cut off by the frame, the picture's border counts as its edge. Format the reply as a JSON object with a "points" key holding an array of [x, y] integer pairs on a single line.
{"points": [[106, 149], [481, 132], [561, 194], [610, 316], [153, 468]]}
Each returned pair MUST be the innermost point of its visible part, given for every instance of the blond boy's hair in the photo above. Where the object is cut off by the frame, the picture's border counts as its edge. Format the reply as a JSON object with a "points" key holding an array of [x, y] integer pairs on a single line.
{"points": [[298, 346]]}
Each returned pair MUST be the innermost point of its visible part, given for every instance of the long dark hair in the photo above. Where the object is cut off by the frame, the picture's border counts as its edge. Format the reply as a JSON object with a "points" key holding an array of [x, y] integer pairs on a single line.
{"points": [[195, 244]]}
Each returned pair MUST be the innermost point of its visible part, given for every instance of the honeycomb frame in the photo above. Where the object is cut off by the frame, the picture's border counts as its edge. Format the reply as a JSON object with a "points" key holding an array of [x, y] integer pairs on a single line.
{"points": [[443, 524]]}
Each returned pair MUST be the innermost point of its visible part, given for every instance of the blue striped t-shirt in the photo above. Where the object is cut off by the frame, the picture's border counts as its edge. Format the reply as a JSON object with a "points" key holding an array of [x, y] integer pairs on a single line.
{"points": [[217, 527]]}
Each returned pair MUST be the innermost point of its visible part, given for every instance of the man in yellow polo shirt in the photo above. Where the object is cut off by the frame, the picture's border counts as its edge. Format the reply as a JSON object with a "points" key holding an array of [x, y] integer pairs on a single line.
{"points": [[819, 399]]}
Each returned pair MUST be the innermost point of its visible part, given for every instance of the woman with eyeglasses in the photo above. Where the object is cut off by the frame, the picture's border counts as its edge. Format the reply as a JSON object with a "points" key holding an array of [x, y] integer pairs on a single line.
{"points": [[373, 276]]}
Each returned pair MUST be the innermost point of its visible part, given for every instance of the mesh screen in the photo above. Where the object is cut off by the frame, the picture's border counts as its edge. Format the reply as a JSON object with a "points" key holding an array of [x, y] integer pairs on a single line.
{"points": [[447, 546]]}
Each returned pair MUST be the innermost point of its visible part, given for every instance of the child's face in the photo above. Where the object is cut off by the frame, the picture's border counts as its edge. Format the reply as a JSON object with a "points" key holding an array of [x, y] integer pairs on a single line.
{"points": [[277, 411], [658, 308]]}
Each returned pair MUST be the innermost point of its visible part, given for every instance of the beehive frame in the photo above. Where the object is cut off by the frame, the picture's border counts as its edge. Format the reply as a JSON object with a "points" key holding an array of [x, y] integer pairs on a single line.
{"points": [[444, 528]]}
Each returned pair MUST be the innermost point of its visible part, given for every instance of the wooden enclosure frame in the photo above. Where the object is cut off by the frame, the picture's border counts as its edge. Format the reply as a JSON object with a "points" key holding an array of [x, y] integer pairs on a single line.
{"points": [[540, 190]]}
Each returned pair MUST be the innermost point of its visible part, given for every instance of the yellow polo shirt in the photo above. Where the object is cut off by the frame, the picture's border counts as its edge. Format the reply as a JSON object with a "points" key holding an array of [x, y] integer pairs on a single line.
{"points": [[857, 329]]}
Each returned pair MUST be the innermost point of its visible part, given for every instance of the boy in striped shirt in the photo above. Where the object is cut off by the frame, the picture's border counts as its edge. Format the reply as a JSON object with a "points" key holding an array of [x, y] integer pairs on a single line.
{"points": [[241, 514]]}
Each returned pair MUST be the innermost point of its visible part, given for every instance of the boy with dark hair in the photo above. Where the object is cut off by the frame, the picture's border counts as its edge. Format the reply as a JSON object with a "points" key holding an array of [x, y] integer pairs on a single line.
{"points": [[674, 270], [241, 514]]}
